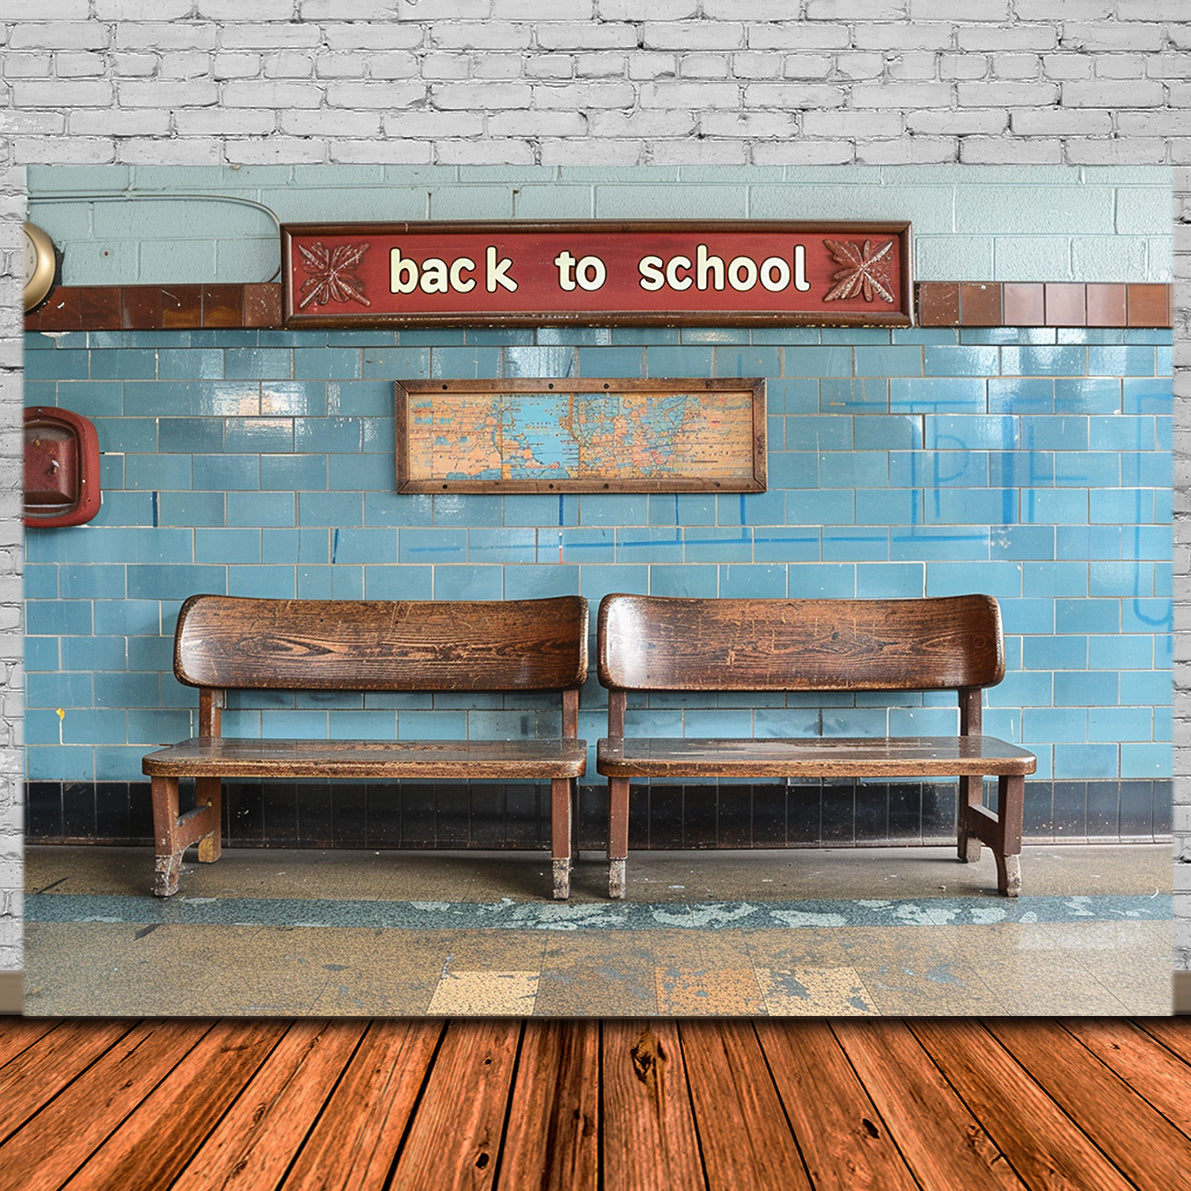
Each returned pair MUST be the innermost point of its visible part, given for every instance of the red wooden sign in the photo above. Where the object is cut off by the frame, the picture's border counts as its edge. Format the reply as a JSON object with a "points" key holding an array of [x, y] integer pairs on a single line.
{"points": [[665, 272]]}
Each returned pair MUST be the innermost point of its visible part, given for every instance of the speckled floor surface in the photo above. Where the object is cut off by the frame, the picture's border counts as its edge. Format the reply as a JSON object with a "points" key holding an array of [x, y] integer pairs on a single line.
{"points": [[892, 931]]}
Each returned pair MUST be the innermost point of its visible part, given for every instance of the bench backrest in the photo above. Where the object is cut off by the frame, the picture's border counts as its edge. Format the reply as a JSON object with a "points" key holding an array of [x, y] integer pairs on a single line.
{"points": [[676, 644], [239, 643]]}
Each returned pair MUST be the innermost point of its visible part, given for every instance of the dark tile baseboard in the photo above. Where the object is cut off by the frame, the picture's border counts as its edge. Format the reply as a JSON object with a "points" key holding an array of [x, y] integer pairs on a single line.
{"points": [[491, 817]]}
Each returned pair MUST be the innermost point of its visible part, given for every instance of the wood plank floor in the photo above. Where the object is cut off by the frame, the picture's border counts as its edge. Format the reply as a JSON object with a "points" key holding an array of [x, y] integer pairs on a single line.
{"points": [[940, 1104]]}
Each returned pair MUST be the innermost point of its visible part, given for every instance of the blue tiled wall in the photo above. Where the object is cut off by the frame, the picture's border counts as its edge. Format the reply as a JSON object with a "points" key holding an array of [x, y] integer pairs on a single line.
{"points": [[1033, 464]]}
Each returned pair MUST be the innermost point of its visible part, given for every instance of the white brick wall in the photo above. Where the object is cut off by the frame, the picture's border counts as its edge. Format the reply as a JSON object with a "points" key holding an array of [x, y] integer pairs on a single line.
{"points": [[597, 82]]}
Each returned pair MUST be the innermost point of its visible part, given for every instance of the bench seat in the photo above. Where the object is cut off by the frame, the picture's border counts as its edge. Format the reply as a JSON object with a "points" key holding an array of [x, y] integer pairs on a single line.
{"points": [[812, 757], [507, 760]]}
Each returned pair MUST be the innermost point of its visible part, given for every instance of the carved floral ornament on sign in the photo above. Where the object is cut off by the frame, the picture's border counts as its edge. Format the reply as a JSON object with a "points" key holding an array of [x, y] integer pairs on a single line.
{"points": [[585, 272]]}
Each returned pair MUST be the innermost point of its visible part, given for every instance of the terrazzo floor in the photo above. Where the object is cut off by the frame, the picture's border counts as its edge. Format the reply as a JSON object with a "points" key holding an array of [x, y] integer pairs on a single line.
{"points": [[879, 931]]}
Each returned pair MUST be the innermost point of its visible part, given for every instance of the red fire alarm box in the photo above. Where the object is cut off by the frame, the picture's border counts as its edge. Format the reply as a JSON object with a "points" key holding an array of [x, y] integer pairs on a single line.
{"points": [[61, 467]]}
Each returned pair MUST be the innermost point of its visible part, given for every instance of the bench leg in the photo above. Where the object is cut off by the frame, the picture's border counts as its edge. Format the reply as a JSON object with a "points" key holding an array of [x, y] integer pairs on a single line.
{"points": [[1001, 832], [209, 792], [562, 793], [971, 793], [174, 833], [618, 834]]}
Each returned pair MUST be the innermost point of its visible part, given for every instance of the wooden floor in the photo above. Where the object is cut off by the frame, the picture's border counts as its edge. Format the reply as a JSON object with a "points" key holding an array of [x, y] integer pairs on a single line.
{"points": [[942, 1104]]}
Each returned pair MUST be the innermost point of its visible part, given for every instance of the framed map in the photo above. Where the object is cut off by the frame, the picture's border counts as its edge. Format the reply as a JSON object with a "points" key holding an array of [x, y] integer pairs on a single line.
{"points": [[595, 435]]}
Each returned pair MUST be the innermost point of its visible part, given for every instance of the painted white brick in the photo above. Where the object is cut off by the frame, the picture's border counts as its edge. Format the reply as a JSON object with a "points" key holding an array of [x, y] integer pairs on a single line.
{"points": [[224, 122], [979, 150], [485, 152], [382, 95], [26, 65], [433, 125], [57, 93], [184, 66], [653, 66], [236, 66], [970, 10], [746, 10], [481, 36], [481, 96], [446, 66], [804, 153], [1137, 151], [542, 10], [79, 35], [83, 150], [845, 125], [1061, 122], [141, 10], [132, 65], [679, 153], [1017, 66], [268, 37], [234, 11], [290, 64], [1112, 94], [275, 150], [374, 37], [808, 66], [748, 125], [856, 10], [537, 124], [991, 38], [495, 66], [1155, 124], [77, 66], [569, 35], [159, 35], [647, 10], [798, 36], [647, 125], [658, 35], [1151, 10], [965, 122], [904, 95], [690, 95], [395, 152], [584, 95], [48, 10], [1016, 94], [704, 66], [964, 66], [1073, 10], [569, 152], [155, 93], [892, 38], [1061, 67], [915, 65], [860, 65], [747, 65], [143, 122], [801, 96], [350, 10], [566, 66], [33, 123], [914, 150], [268, 93], [1104, 35], [329, 123]]}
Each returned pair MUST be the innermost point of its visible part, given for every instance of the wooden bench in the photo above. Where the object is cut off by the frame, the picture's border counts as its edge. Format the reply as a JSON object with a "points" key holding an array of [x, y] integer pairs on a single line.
{"points": [[227, 643], [652, 643]]}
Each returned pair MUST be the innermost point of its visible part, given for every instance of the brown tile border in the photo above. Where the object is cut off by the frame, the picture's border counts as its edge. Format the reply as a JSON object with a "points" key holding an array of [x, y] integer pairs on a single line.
{"points": [[939, 304]]}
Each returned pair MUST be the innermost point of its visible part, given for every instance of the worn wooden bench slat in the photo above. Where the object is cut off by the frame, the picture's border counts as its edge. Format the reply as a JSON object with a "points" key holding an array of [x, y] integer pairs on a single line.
{"points": [[665, 644], [840, 756], [225, 643], [510, 760]]}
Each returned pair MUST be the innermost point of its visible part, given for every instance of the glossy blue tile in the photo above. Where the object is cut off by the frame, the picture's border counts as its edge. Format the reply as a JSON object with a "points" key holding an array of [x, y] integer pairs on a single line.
{"points": [[818, 361], [812, 506], [877, 432], [327, 363], [876, 506], [1000, 579], [671, 361], [1052, 725], [815, 434], [259, 434], [1121, 505], [937, 396], [844, 544], [1044, 360], [191, 508], [1088, 395], [960, 361], [684, 580], [157, 471], [221, 473], [1021, 395], [356, 545], [879, 580], [467, 582], [190, 363], [230, 546], [938, 469], [718, 544], [432, 545], [510, 545], [752, 581], [175, 582], [1085, 761], [272, 363], [777, 544], [1147, 395], [1069, 652], [538, 582], [398, 582], [931, 542], [261, 508], [1086, 688], [797, 395], [344, 582], [822, 581], [294, 472], [356, 473], [1146, 760], [1024, 542]]}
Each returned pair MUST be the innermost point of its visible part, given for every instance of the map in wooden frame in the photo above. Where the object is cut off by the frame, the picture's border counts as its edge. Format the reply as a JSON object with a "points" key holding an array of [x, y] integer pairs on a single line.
{"points": [[592, 435]]}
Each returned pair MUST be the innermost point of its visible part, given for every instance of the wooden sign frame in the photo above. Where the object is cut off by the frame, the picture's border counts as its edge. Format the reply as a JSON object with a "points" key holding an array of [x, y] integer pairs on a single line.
{"points": [[597, 273], [744, 398]]}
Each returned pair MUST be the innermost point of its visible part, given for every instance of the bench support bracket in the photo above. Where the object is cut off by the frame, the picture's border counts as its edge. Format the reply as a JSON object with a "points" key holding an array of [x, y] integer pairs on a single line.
{"points": [[1001, 832]]}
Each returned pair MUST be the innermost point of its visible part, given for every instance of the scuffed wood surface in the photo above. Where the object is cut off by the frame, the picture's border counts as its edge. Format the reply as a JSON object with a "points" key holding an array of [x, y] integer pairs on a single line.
{"points": [[638, 1105]]}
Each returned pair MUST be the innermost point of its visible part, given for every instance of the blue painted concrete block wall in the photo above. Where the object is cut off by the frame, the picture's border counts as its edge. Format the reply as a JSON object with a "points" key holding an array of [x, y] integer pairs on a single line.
{"points": [[1034, 464]]}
